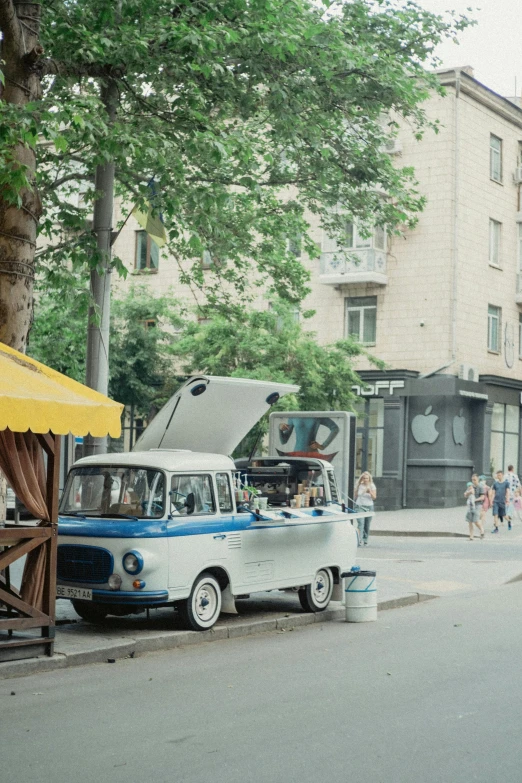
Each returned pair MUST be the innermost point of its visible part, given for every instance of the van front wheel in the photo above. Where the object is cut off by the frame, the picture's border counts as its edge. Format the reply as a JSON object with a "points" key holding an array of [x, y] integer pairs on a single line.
{"points": [[203, 607], [316, 597]]}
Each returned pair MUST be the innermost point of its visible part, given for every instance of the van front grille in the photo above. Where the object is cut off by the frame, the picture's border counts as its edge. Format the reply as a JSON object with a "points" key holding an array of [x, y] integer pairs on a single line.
{"points": [[84, 563]]}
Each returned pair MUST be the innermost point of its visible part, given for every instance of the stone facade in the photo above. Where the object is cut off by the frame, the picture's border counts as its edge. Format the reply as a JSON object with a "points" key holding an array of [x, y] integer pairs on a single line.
{"points": [[432, 304]]}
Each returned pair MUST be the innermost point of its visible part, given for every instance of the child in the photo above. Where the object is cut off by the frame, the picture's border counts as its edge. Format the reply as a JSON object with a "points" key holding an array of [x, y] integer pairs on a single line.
{"points": [[486, 505], [472, 514]]}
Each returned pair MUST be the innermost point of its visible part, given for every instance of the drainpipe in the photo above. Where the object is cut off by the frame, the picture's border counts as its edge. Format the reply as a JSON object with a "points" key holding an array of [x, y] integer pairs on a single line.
{"points": [[456, 193], [405, 450]]}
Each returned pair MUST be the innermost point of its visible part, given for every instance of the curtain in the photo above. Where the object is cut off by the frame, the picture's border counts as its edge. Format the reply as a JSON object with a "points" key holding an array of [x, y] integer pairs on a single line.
{"points": [[21, 460]]}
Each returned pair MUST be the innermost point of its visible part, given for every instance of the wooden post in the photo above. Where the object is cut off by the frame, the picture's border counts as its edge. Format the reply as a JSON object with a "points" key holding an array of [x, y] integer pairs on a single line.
{"points": [[54, 443]]}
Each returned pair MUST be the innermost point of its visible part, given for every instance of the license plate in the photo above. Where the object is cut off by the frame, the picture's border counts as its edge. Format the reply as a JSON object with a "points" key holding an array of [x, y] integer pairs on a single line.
{"points": [[80, 593]]}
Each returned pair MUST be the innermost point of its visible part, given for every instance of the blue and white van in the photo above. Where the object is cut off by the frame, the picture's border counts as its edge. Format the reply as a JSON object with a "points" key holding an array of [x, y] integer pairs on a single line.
{"points": [[173, 523]]}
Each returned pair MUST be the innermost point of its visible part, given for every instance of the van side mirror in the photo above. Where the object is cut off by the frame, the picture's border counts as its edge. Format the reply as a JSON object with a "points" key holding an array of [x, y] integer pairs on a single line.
{"points": [[190, 503]]}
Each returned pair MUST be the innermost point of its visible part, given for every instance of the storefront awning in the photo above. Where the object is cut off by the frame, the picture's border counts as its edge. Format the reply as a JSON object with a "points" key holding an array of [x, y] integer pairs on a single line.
{"points": [[35, 397]]}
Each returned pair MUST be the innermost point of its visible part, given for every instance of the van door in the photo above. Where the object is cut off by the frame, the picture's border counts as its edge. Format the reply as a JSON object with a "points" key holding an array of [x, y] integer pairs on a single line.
{"points": [[195, 532]]}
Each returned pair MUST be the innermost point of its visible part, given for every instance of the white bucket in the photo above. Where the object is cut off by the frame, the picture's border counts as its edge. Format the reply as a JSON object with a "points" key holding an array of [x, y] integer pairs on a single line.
{"points": [[360, 593]]}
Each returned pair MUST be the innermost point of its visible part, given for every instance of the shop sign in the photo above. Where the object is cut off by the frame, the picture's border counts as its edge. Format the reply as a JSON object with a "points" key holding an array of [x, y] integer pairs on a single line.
{"points": [[473, 395], [375, 389]]}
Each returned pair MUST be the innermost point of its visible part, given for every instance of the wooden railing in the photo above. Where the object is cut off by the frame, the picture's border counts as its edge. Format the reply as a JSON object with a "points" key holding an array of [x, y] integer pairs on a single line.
{"points": [[17, 617]]}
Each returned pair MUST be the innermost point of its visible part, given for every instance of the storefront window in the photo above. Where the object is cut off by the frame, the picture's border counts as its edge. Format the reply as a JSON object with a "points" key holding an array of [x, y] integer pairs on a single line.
{"points": [[504, 436], [370, 437]]}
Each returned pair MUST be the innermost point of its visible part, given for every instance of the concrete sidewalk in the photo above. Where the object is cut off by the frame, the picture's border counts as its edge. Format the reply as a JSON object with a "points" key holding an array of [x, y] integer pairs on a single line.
{"points": [[423, 522]]}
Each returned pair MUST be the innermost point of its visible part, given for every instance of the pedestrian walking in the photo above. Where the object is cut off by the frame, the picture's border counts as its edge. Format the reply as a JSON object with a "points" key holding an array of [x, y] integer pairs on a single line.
{"points": [[486, 505], [475, 499], [514, 484], [365, 494], [499, 496]]}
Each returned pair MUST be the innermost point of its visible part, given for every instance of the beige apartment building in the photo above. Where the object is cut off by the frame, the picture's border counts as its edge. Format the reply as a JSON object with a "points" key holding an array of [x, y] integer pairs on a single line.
{"points": [[440, 304]]}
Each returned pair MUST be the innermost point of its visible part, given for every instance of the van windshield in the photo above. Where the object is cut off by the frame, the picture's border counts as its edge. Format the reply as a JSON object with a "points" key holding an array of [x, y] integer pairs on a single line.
{"points": [[114, 491]]}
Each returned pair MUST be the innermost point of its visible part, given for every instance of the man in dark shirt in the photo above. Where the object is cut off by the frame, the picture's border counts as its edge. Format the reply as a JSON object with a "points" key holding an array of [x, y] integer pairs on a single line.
{"points": [[499, 496]]}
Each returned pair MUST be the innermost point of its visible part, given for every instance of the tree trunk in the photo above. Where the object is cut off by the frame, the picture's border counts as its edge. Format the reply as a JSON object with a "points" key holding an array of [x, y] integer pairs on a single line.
{"points": [[97, 362], [20, 26]]}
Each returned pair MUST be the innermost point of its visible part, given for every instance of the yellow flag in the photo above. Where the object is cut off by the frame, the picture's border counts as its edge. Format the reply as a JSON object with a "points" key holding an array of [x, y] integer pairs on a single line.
{"points": [[153, 225]]}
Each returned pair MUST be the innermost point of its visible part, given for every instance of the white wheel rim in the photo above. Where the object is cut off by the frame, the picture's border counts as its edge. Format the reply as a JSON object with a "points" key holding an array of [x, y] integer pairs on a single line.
{"points": [[321, 588], [205, 602]]}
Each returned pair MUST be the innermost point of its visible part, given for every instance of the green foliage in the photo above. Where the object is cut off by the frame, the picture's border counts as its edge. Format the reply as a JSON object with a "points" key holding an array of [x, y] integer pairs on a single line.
{"points": [[272, 345], [140, 362], [249, 115], [141, 333], [58, 335]]}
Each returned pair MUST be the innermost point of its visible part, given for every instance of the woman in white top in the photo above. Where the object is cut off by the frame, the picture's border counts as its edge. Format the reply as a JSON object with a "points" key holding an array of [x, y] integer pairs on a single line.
{"points": [[365, 494]]}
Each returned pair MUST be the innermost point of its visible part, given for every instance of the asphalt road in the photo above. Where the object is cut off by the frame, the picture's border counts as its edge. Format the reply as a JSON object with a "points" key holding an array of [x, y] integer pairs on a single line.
{"points": [[430, 693], [433, 566]]}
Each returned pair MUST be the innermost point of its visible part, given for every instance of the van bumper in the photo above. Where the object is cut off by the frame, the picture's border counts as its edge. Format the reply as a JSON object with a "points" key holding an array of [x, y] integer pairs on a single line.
{"points": [[122, 597]]}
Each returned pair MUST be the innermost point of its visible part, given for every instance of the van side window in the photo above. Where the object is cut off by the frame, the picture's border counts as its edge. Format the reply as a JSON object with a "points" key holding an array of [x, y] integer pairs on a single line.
{"points": [[333, 487], [223, 491], [191, 495]]}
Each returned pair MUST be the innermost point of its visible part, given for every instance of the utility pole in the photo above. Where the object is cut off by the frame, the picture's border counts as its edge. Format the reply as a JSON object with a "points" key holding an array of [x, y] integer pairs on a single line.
{"points": [[97, 369]]}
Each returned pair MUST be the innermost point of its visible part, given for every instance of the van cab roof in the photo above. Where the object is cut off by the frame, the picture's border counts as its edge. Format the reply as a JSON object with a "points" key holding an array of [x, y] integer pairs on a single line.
{"points": [[162, 459]]}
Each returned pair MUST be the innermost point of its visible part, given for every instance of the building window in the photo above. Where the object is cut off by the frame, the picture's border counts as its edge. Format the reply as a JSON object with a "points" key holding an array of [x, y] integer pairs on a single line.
{"points": [[293, 312], [361, 318], [494, 321], [379, 238], [354, 240], [495, 158], [207, 261], [294, 245], [147, 252], [494, 242], [370, 436], [504, 437]]}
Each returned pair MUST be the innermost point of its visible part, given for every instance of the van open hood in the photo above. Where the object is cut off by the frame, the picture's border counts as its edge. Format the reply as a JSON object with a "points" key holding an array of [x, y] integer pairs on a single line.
{"points": [[211, 414]]}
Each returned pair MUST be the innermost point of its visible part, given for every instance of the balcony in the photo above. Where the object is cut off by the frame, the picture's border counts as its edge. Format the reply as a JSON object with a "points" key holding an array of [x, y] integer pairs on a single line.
{"points": [[360, 265]]}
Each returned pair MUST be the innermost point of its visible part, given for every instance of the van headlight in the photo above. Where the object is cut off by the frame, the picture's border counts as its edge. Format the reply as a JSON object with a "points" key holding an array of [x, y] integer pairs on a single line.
{"points": [[114, 582], [132, 562]]}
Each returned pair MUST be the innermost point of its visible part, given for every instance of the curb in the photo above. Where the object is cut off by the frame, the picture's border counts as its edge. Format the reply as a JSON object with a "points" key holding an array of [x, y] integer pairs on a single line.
{"points": [[167, 641], [405, 600], [419, 533]]}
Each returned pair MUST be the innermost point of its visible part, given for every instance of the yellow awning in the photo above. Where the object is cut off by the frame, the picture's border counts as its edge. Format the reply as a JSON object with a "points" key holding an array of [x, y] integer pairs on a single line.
{"points": [[35, 397]]}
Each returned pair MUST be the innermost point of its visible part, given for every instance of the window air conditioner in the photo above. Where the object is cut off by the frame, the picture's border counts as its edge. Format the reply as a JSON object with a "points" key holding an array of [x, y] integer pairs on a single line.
{"points": [[468, 373], [517, 175]]}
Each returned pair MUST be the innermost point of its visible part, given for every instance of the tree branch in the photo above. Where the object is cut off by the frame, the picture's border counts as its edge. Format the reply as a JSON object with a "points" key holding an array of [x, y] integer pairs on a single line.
{"points": [[51, 67], [67, 178]]}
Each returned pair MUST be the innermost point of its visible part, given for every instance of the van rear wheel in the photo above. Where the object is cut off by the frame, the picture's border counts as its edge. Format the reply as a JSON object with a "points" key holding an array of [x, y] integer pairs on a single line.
{"points": [[93, 613], [316, 597], [203, 606]]}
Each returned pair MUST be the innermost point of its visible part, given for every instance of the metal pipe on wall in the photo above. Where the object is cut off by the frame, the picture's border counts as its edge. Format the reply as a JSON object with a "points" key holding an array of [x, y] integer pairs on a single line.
{"points": [[405, 451]]}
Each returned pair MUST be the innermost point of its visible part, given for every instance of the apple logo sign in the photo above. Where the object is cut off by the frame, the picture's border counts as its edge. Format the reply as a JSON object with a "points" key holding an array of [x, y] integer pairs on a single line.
{"points": [[423, 427], [459, 432]]}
